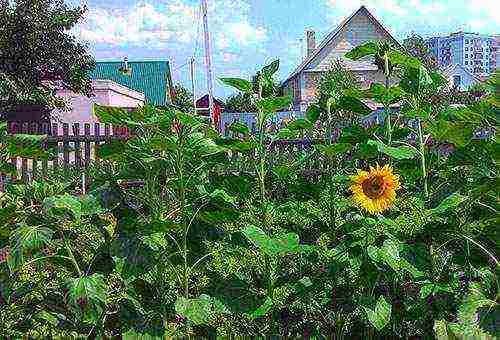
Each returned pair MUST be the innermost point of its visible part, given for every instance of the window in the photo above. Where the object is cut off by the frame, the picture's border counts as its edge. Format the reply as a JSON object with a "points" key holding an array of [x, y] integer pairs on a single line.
{"points": [[466, 62], [456, 81]]}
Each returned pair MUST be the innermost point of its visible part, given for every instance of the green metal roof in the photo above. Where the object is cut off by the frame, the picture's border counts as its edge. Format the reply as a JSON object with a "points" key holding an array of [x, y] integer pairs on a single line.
{"points": [[148, 77]]}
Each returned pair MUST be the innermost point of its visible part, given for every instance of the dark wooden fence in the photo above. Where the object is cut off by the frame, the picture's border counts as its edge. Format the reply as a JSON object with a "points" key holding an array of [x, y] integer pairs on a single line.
{"points": [[75, 145]]}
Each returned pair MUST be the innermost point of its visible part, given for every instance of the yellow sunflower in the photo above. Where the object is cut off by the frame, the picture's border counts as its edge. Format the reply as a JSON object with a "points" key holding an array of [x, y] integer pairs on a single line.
{"points": [[375, 190]]}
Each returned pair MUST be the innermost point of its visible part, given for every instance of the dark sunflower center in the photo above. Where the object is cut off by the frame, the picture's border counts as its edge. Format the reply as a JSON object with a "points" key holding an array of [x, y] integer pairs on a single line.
{"points": [[374, 187]]}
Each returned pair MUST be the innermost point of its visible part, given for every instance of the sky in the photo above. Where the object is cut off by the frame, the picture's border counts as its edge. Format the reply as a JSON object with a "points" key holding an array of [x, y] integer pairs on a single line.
{"points": [[247, 34]]}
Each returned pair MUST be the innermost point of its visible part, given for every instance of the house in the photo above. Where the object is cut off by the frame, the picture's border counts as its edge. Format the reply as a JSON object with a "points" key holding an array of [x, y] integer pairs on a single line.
{"points": [[355, 30], [460, 77], [105, 92], [148, 77], [203, 103]]}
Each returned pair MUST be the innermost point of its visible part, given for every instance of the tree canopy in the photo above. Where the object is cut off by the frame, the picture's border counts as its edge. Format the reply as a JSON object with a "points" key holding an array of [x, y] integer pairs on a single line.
{"points": [[38, 51]]}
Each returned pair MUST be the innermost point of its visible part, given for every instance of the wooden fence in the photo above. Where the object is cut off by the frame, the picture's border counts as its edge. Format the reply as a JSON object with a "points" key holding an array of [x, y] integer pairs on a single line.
{"points": [[74, 144], [75, 147]]}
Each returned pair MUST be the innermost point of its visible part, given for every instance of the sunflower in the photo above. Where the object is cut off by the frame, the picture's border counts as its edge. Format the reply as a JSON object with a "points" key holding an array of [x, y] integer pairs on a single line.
{"points": [[375, 190]]}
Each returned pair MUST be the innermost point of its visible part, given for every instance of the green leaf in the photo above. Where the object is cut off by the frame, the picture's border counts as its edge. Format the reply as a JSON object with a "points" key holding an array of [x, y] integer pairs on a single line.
{"points": [[334, 149], [369, 48], [399, 58], [450, 202], [353, 104], [273, 104], [111, 115], [223, 196], [27, 146], [63, 205], [236, 144], [433, 288], [280, 245], [272, 68], [7, 168], [313, 112], [263, 309], [87, 296], [402, 152], [112, 149], [414, 80], [299, 124], [90, 205], [240, 84], [381, 316], [381, 94], [239, 127], [28, 238], [458, 133], [198, 310]]}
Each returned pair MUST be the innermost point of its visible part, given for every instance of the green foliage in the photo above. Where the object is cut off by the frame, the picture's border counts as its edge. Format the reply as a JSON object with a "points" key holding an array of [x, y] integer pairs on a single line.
{"points": [[186, 233], [36, 45]]}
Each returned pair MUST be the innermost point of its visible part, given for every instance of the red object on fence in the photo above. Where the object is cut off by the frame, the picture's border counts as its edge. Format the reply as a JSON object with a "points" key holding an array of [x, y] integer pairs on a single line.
{"points": [[202, 105]]}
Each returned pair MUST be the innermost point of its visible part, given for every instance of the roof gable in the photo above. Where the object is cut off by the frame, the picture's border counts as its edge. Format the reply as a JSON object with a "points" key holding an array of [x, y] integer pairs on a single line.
{"points": [[350, 33], [457, 69], [148, 77]]}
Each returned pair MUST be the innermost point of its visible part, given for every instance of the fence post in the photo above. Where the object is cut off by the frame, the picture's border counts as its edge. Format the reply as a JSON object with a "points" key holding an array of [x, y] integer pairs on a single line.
{"points": [[66, 145]]}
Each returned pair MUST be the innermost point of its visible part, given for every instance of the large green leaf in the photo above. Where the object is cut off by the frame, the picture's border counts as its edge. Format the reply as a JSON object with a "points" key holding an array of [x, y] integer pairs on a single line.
{"points": [[369, 48], [334, 149], [7, 168], [240, 84], [87, 296], [353, 104], [414, 80], [401, 152], [399, 58], [112, 149], [299, 124], [458, 133], [382, 94], [389, 255], [63, 206], [313, 112], [111, 115], [239, 127], [27, 146], [263, 309], [273, 104], [272, 68], [28, 238], [381, 316], [198, 310], [450, 202], [280, 245], [236, 144]]}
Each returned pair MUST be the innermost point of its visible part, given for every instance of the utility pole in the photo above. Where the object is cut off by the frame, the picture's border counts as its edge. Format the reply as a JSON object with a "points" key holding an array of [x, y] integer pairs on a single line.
{"points": [[193, 85], [208, 60]]}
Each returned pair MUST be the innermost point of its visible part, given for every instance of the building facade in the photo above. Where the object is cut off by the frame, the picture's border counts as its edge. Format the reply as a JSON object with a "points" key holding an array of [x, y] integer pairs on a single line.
{"points": [[355, 30], [476, 53]]}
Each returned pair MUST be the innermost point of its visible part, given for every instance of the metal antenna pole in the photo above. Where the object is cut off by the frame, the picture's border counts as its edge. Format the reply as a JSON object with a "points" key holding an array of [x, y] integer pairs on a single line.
{"points": [[208, 60], [193, 83]]}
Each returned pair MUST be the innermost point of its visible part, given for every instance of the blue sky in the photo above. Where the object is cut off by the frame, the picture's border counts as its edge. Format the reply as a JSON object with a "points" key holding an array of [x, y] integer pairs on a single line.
{"points": [[248, 33]]}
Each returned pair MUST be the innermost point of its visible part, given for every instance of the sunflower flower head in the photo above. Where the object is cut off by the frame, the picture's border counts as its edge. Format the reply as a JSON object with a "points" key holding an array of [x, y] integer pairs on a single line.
{"points": [[375, 190]]}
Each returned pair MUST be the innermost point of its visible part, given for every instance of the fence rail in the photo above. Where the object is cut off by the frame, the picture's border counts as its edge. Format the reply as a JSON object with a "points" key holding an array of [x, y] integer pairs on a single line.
{"points": [[76, 147]]}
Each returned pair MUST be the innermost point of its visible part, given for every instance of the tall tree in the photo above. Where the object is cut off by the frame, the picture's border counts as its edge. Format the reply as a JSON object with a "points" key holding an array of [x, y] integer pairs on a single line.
{"points": [[37, 52]]}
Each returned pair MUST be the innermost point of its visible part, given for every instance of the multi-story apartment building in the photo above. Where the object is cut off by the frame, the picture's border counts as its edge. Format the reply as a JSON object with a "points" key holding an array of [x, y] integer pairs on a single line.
{"points": [[476, 53]]}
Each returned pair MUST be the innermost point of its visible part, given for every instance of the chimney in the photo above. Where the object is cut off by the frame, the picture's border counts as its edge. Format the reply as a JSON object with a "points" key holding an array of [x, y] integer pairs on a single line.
{"points": [[310, 41]]}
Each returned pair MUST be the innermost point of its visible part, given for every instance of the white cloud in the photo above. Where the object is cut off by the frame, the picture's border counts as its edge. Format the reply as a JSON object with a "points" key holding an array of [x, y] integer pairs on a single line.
{"points": [[146, 25]]}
